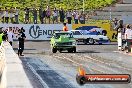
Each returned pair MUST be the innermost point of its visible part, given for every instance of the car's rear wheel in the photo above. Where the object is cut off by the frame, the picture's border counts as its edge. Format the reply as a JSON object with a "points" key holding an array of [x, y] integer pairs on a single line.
{"points": [[91, 41], [54, 50]]}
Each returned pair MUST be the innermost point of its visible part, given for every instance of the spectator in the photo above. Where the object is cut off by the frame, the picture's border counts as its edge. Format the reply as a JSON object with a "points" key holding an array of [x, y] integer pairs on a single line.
{"points": [[2, 15], [76, 16], [44, 16], [34, 16], [48, 13], [26, 15], [115, 22], [128, 36], [55, 15], [69, 16], [62, 15], [11, 14], [41, 15], [10, 36], [16, 15], [82, 18], [6, 15]]}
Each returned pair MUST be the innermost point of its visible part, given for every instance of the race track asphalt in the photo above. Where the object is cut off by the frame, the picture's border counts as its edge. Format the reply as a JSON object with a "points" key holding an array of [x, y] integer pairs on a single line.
{"points": [[59, 70]]}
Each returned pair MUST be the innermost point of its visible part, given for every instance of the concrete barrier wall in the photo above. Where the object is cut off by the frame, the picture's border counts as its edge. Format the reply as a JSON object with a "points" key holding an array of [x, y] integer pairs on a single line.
{"points": [[12, 72], [2, 66]]}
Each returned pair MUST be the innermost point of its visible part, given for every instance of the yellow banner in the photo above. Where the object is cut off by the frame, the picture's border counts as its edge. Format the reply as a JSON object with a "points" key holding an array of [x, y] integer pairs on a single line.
{"points": [[105, 28]]}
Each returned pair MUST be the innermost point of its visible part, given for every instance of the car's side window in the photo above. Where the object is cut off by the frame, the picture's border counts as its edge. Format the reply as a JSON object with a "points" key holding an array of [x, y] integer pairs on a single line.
{"points": [[77, 33]]}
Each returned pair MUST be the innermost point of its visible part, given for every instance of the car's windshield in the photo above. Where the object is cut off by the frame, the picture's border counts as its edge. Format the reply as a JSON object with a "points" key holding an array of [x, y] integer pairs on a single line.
{"points": [[85, 32], [57, 35]]}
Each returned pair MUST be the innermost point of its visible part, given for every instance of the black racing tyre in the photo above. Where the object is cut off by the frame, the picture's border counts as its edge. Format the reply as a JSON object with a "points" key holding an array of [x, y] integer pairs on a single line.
{"points": [[74, 49], [60, 50], [54, 50], [91, 41], [85, 41], [70, 50], [100, 43]]}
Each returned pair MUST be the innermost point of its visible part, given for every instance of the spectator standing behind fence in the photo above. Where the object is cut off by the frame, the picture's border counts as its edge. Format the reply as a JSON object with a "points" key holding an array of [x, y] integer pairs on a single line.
{"points": [[76, 16], [82, 18], [34, 15], [6, 15], [2, 15], [48, 13], [26, 15], [44, 16], [16, 15], [41, 15], [11, 14], [55, 15], [62, 15], [69, 16]]}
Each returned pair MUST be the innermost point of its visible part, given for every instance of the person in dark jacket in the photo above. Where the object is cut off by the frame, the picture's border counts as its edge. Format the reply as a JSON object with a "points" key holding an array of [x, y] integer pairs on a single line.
{"points": [[21, 39], [62, 15]]}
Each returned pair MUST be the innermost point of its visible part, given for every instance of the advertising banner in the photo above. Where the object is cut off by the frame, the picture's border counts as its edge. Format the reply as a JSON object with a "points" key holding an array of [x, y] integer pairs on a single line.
{"points": [[103, 29], [45, 31], [35, 31]]}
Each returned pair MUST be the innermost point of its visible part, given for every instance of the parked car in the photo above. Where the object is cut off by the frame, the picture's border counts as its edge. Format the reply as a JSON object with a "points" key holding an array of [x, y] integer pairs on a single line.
{"points": [[63, 41], [88, 37]]}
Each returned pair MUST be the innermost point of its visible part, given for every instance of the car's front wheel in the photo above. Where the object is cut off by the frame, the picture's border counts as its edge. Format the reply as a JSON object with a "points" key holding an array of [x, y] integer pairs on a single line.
{"points": [[74, 49], [54, 50], [70, 50]]}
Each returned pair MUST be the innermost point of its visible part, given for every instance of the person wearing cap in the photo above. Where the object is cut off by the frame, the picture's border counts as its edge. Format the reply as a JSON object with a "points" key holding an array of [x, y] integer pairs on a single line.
{"points": [[21, 39], [65, 28]]}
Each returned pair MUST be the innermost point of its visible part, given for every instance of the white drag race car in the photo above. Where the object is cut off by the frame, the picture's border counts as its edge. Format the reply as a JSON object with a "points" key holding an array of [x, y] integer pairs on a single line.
{"points": [[88, 37]]}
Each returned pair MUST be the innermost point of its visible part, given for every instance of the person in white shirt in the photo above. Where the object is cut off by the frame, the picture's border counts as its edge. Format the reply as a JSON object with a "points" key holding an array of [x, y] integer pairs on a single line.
{"points": [[10, 36], [76, 16], [16, 15], [11, 14], [55, 15], [128, 37], [128, 32], [6, 15]]}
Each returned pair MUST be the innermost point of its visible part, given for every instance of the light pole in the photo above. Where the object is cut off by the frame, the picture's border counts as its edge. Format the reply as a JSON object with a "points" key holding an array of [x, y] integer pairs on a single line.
{"points": [[110, 15], [83, 5]]}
